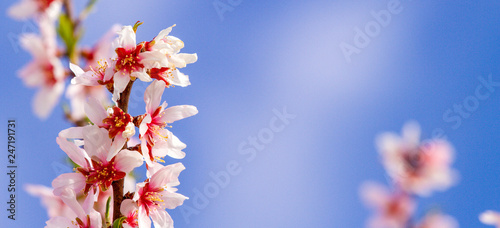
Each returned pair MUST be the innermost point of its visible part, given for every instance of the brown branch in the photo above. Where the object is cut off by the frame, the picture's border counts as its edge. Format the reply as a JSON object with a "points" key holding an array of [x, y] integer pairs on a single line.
{"points": [[124, 97], [118, 185]]}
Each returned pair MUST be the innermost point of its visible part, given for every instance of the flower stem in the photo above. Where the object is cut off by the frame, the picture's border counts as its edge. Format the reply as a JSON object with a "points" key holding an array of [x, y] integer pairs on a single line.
{"points": [[118, 185]]}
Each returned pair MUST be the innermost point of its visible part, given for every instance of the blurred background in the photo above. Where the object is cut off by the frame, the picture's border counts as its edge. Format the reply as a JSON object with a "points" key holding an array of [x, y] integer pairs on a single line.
{"points": [[258, 58]]}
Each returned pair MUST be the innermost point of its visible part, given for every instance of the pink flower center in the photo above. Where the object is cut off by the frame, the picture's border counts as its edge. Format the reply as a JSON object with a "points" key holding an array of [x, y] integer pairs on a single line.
{"points": [[116, 122], [161, 74], [102, 174], [50, 78], [131, 219], [150, 198], [128, 59], [44, 4]]}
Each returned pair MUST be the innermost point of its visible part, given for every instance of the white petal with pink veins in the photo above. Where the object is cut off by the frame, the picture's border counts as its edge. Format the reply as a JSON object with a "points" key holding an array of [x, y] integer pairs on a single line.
{"points": [[58, 222], [188, 58], [76, 154], [141, 75], [121, 82], [126, 37], [153, 59], [172, 200], [143, 218], [75, 181], [127, 160], [180, 79], [127, 207], [152, 95], [168, 175], [95, 112], [161, 219], [175, 146], [178, 112]]}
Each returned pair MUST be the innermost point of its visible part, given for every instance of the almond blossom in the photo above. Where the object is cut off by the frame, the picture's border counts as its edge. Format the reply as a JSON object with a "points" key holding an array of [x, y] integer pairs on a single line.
{"points": [[119, 125], [155, 195], [417, 167], [490, 218], [437, 220], [87, 216], [77, 93], [26, 9], [95, 170], [393, 209], [45, 71], [130, 210], [170, 46], [131, 61], [53, 204], [156, 140]]}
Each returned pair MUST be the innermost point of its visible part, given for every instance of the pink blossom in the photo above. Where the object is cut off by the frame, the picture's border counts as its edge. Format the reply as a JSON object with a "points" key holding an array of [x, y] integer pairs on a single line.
{"points": [[156, 194], [86, 215], [156, 140], [118, 124], [26, 9], [130, 210], [131, 62], [53, 204], [392, 209], [437, 220], [88, 85], [170, 46], [45, 71], [95, 170], [417, 167], [78, 94], [490, 218]]}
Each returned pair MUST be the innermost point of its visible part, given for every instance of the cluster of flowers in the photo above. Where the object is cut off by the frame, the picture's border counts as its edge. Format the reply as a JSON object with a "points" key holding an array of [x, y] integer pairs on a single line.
{"points": [[416, 169], [100, 191]]}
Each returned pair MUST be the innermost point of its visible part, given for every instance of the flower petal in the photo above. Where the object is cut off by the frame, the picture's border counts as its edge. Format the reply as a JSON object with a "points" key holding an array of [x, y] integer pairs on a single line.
{"points": [[127, 160], [152, 95], [178, 112]]}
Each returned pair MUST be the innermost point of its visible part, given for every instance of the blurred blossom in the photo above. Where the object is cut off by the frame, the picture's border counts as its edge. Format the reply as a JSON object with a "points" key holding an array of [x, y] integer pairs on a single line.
{"points": [[87, 216], [26, 9], [392, 209], [417, 167], [54, 205], [45, 70], [490, 218], [78, 94], [437, 220]]}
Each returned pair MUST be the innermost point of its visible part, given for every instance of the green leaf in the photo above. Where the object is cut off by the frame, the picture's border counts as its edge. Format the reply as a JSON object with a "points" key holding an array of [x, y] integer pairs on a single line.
{"points": [[107, 210], [118, 223], [66, 32]]}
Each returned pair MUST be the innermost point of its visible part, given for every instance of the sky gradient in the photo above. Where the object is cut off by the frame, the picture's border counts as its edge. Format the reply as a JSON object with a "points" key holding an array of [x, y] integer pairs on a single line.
{"points": [[262, 59]]}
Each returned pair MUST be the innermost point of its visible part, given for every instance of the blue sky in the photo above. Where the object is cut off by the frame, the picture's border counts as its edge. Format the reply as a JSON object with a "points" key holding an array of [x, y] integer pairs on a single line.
{"points": [[264, 56]]}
